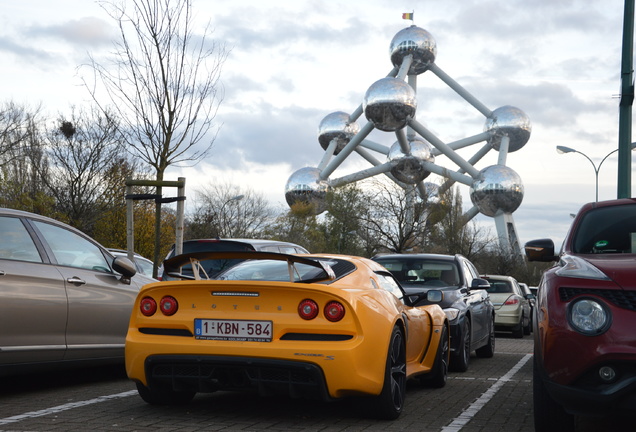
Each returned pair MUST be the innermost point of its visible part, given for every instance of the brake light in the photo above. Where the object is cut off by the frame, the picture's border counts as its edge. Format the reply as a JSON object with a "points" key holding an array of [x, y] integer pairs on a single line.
{"points": [[308, 309], [148, 306], [511, 301], [334, 311], [169, 305]]}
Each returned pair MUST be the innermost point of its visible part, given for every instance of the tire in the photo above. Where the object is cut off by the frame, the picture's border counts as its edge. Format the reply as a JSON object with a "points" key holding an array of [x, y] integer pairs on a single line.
{"points": [[164, 395], [549, 416], [528, 328], [459, 360], [517, 331], [439, 374], [488, 350], [390, 403]]}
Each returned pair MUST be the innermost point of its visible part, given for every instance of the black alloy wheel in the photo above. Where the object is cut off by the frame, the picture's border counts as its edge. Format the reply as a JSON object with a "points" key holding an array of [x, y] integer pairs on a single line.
{"points": [[390, 403], [460, 359], [439, 374], [488, 350]]}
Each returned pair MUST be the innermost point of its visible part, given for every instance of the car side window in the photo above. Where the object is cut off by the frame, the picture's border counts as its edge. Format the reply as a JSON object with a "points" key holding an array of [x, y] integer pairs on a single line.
{"points": [[469, 275], [389, 284], [17, 243], [71, 249]]}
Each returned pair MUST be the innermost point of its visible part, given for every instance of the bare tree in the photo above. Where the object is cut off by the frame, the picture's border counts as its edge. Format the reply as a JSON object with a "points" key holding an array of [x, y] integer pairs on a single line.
{"points": [[451, 233], [343, 229], [228, 211], [163, 80], [80, 150], [396, 218], [17, 126], [300, 225]]}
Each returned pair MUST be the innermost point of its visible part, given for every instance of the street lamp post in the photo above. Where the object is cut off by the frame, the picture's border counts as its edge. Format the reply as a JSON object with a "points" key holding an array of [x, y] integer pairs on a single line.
{"points": [[564, 149]]}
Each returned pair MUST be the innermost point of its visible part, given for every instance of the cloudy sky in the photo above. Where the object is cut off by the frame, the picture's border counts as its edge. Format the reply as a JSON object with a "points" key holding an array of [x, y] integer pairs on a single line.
{"points": [[292, 62]]}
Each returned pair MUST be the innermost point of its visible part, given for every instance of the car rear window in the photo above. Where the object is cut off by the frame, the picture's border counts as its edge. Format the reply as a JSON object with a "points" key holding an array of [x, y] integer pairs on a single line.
{"points": [[606, 230], [274, 270], [17, 244], [497, 287]]}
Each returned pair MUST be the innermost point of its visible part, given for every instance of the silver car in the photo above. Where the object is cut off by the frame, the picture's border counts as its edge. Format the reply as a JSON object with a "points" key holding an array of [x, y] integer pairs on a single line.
{"points": [[512, 307], [65, 299]]}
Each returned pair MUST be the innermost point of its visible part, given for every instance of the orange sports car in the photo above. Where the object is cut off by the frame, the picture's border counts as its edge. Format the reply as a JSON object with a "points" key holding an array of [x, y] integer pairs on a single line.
{"points": [[314, 326]]}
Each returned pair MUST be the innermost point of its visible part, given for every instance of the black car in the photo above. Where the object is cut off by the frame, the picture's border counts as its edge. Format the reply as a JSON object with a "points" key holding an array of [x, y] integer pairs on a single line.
{"points": [[214, 267], [466, 302]]}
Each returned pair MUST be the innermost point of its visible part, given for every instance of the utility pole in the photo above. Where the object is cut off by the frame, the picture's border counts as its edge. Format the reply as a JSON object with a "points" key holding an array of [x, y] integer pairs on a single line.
{"points": [[624, 181]]}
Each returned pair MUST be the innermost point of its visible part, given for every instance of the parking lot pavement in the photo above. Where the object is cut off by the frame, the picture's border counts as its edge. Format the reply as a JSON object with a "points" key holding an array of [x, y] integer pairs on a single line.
{"points": [[493, 395]]}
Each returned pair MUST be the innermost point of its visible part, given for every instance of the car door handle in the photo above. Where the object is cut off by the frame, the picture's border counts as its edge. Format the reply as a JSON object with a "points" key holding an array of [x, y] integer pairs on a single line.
{"points": [[75, 280], [2, 273]]}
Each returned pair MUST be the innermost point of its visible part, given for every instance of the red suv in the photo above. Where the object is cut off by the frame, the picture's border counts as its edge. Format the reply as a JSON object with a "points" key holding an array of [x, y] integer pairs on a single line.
{"points": [[585, 328]]}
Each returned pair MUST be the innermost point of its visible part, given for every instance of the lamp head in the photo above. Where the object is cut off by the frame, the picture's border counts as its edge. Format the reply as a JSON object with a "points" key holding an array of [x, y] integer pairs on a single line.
{"points": [[564, 149]]}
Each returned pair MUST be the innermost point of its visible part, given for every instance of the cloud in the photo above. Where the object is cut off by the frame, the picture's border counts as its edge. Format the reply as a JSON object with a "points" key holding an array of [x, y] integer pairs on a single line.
{"points": [[86, 31]]}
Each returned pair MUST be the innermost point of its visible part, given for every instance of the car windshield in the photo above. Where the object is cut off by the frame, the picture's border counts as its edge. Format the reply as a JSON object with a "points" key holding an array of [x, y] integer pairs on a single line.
{"points": [[423, 272], [607, 230], [270, 270], [214, 266]]}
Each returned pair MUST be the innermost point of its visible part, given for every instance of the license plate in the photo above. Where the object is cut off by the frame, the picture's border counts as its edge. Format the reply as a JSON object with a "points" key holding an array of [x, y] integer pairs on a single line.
{"points": [[233, 330]]}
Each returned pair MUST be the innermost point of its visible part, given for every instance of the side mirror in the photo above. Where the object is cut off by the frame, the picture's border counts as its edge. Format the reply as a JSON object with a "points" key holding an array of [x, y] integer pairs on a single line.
{"points": [[480, 284], [125, 267], [434, 296], [540, 250]]}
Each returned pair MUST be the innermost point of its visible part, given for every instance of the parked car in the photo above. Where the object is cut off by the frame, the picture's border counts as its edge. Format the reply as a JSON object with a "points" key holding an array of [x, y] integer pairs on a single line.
{"points": [[315, 326], [213, 267], [66, 301], [527, 292], [584, 345], [512, 308], [466, 302], [144, 265]]}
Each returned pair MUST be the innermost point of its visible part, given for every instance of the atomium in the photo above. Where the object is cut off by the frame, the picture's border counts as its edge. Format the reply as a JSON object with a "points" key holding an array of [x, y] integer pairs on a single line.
{"points": [[305, 186], [418, 43], [390, 105], [337, 127], [511, 122], [410, 168], [498, 189]]}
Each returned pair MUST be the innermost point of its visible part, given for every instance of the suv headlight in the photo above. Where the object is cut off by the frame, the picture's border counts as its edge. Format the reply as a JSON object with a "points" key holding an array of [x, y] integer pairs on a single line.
{"points": [[589, 316], [575, 267], [451, 313]]}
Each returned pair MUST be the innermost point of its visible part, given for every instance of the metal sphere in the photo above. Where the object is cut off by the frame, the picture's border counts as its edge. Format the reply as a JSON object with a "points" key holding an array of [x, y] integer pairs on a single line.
{"points": [[409, 168], [339, 127], [499, 188], [432, 193], [511, 122], [305, 186], [389, 104], [417, 42]]}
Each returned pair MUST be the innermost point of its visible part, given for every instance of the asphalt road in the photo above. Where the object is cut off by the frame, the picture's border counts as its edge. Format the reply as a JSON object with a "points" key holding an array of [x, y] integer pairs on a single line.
{"points": [[493, 395]]}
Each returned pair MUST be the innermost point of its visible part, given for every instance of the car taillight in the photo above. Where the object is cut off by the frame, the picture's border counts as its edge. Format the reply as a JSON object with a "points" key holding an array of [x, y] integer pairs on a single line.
{"points": [[308, 309], [511, 301], [148, 306], [334, 311], [169, 305]]}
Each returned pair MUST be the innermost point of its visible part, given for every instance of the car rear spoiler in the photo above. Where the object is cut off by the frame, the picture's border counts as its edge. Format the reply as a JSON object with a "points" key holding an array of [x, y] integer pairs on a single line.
{"points": [[173, 265]]}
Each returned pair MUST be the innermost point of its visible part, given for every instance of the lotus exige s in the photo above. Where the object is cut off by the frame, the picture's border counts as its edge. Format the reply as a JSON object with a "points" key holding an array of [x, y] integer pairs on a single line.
{"points": [[313, 326]]}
